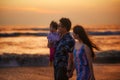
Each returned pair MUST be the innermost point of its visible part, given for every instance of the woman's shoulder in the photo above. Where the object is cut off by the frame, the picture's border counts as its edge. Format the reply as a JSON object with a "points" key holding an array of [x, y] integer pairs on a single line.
{"points": [[86, 47], [78, 46]]}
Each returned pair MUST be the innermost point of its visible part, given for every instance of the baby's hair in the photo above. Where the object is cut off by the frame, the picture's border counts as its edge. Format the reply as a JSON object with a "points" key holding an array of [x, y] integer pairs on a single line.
{"points": [[54, 25]]}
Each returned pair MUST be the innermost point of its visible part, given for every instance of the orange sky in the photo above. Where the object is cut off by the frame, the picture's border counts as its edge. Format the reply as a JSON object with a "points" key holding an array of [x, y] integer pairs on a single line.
{"points": [[41, 12]]}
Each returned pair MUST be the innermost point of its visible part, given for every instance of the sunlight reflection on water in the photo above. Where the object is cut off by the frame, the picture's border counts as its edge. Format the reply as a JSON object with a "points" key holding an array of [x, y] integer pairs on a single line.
{"points": [[23, 44], [38, 44]]}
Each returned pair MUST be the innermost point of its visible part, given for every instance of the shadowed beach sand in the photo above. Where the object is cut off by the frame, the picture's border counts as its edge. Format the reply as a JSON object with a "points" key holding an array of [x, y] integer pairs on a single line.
{"points": [[35, 67], [102, 72]]}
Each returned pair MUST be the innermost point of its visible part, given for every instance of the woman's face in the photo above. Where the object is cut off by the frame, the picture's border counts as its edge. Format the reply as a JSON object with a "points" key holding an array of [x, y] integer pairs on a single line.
{"points": [[75, 36]]}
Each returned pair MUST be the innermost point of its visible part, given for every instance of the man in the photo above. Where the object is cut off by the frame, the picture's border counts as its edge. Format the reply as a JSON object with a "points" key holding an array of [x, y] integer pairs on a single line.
{"points": [[63, 55]]}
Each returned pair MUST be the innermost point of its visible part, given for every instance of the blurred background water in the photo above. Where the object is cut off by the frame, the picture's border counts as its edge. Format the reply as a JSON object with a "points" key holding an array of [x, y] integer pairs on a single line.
{"points": [[33, 39]]}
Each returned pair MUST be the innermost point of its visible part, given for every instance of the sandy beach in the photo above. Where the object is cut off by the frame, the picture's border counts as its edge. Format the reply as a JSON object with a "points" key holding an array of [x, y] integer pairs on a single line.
{"points": [[102, 72]]}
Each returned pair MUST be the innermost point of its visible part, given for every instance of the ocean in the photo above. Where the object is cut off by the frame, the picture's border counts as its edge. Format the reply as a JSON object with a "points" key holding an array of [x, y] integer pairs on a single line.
{"points": [[26, 40], [33, 39]]}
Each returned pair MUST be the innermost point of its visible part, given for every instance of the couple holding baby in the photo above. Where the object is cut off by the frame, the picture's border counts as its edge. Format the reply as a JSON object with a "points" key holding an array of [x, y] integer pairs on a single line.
{"points": [[68, 53]]}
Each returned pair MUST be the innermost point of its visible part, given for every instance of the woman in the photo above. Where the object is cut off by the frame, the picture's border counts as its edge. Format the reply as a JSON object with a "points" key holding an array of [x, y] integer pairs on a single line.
{"points": [[83, 54]]}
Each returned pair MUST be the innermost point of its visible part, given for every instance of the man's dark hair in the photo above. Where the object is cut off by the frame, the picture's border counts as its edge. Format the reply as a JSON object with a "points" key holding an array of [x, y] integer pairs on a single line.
{"points": [[54, 25], [66, 23]]}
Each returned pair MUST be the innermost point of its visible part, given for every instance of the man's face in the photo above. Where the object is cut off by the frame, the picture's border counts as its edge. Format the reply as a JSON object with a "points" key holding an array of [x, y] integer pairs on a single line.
{"points": [[61, 28]]}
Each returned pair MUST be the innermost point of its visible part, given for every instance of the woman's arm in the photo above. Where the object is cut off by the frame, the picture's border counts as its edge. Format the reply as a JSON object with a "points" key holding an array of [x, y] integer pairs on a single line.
{"points": [[89, 58]]}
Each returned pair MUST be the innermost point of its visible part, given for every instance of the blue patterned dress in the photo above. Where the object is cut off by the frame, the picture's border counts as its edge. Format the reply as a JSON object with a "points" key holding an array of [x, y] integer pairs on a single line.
{"points": [[81, 64]]}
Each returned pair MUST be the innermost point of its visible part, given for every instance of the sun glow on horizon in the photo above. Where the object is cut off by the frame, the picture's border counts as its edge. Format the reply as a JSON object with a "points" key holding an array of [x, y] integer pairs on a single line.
{"points": [[30, 9], [41, 12]]}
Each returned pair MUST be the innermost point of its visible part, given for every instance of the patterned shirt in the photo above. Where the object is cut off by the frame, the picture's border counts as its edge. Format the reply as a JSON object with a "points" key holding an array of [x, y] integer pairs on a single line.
{"points": [[64, 47]]}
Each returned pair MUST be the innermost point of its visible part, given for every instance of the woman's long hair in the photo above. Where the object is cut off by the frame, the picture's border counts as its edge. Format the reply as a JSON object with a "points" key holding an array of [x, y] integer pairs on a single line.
{"points": [[79, 30]]}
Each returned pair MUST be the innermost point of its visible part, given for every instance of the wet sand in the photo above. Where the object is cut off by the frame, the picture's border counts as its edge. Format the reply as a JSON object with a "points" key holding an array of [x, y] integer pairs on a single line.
{"points": [[102, 72]]}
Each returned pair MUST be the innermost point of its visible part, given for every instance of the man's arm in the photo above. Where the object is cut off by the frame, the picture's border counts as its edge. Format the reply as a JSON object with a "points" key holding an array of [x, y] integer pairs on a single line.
{"points": [[70, 67], [70, 61], [49, 44]]}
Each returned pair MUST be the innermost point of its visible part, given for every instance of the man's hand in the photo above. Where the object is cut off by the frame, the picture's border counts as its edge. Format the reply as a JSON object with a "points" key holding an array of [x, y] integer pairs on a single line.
{"points": [[70, 74], [50, 44]]}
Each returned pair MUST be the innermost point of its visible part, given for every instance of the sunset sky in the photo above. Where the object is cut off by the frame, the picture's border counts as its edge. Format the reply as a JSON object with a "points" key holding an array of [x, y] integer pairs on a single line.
{"points": [[41, 12]]}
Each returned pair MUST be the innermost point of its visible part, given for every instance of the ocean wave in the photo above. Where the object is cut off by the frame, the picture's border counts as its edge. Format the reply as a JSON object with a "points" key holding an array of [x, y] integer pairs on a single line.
{"points": [[16, 34], [21, 34], [105, 33], [14, 59], [34, 29], [19, 29]]}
